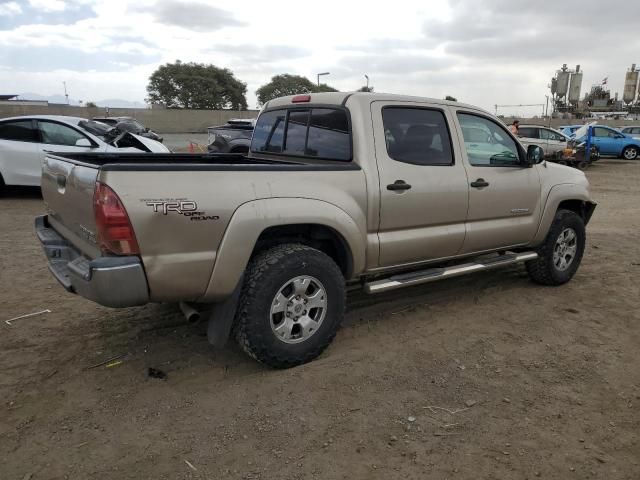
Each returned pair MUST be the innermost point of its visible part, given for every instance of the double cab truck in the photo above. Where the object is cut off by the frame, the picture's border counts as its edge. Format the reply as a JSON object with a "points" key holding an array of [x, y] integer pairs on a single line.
{"points": [[339, 190]]}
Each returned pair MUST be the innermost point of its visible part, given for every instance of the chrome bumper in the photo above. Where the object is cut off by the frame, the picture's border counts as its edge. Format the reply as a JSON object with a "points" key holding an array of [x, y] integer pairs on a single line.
{"points": [[109, 281]]}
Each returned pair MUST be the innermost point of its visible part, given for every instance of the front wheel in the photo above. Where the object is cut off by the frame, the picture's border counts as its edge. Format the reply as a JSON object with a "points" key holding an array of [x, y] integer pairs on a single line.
{"points": [[560, 255], [291, 305], [630, 153]]}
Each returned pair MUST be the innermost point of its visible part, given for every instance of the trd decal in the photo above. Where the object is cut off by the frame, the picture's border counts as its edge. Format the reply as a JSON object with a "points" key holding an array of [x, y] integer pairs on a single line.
{"points": [[187, 208]]}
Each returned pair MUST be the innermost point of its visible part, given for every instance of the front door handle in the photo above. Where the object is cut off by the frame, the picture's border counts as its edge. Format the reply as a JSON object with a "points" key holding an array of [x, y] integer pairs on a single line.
{"points": [[398, 185], [479, 183]]}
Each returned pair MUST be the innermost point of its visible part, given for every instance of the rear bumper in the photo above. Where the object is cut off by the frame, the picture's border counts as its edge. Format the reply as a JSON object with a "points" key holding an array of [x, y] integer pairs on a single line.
{"points": [[109, 281]]}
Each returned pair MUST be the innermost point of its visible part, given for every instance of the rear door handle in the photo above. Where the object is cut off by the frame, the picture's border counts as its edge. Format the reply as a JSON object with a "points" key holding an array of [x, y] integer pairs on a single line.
{"points": [[479, 183], [398, 185]]}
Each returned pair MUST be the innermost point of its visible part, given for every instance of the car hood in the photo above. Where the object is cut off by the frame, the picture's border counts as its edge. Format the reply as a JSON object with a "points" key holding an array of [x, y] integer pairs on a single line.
{"points": [[130, 142], [151, 145], [556, 174]]}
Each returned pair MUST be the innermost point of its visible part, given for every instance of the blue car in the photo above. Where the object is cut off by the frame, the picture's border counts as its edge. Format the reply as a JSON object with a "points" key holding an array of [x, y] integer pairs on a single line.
{"points": [[613, 142]]}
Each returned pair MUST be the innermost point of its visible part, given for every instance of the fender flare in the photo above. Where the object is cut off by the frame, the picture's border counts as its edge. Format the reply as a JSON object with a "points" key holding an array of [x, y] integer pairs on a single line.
{"points": [[252, 218], [558, 194]]}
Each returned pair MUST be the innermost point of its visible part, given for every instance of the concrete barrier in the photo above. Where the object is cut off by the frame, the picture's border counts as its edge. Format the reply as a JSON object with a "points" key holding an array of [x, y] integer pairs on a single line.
{"points": [[160, 120], [197, 121]]}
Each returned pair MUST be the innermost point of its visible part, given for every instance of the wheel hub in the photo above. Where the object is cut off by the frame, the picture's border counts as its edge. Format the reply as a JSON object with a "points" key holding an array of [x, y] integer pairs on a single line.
{"points": [[298, 309], [565, 249]]}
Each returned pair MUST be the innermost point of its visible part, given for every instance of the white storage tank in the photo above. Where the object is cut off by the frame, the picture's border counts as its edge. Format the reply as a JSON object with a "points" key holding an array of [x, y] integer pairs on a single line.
{"points": [[630, 85], [575, 86]]}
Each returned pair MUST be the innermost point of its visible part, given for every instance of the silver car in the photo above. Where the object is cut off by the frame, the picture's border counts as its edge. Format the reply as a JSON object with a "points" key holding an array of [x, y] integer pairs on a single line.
{"points": [[634, 131], [551, 141], [24, 141]]}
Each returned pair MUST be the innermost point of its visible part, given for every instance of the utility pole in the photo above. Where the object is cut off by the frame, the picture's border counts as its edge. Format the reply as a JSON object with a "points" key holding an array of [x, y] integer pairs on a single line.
{"points": [[321, 74], [66, 95]]}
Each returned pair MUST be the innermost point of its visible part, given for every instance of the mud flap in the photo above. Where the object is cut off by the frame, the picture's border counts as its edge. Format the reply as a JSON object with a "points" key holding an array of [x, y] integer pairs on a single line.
{"points": [[222, 316]]}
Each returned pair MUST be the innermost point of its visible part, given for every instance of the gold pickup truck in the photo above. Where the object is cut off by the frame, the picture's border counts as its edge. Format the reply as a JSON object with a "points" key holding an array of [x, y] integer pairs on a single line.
{"points": [[338, 189]]}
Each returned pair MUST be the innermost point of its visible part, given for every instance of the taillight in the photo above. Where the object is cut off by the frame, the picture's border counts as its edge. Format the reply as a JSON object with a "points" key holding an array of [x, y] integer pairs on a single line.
{"points": [[301, 99], [115, 233]]}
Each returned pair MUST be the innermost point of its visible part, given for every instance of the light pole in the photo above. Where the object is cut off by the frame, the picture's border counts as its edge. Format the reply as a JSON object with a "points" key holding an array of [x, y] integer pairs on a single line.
{"points": [[367, 77], [321, 74]]}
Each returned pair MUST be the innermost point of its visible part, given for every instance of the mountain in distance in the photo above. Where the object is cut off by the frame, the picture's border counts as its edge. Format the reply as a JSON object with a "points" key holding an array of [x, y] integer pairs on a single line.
{"points": [[109, 102]]}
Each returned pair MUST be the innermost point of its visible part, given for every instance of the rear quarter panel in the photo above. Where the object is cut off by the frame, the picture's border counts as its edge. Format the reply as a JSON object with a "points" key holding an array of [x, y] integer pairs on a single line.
{"points": [[179, 250]]}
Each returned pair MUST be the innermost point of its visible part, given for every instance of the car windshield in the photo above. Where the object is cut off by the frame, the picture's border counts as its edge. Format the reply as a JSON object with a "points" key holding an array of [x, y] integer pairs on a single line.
{"points": [[137, 125], [95, 128]]}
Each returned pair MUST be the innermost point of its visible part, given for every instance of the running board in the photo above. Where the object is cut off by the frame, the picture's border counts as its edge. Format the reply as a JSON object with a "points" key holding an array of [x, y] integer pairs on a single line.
{"points": [[433, 274]]}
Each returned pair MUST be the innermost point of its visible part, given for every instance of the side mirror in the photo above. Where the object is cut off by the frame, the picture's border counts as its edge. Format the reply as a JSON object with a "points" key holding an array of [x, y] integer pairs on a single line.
{"points": [[83, 142], [535, 155]]}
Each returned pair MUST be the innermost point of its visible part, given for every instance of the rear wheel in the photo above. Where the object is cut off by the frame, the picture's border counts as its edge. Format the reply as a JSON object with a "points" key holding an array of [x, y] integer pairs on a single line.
{"points": [[560, 255], [630, 153], [291, 305]]}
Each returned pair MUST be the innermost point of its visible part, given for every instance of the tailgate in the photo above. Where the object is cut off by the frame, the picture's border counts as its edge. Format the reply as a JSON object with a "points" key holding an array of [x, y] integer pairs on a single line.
{"points": [[67, 189]]}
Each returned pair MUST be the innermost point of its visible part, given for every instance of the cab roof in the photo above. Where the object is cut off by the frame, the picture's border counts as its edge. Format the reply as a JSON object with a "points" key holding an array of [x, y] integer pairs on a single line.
{"points": [[345, 98]]}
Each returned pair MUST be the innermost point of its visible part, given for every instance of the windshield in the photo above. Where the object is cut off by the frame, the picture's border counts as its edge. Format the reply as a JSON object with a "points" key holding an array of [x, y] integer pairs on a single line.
{"points": [[95, 128]]}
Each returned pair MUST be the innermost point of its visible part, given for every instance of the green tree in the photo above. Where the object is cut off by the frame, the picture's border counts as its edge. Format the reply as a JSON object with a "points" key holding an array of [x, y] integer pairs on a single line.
{"points": [[364, 88], [450, 98], [286, 84], [196, 85], [90, 105], [323, 87]]}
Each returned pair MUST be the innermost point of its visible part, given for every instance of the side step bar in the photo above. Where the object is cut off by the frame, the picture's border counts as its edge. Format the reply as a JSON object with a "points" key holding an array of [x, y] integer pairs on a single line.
{"points": [[433, 274]]}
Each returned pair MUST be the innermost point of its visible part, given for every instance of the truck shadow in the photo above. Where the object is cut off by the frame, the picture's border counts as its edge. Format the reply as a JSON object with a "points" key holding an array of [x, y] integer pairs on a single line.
{"points": [[158, 336]]}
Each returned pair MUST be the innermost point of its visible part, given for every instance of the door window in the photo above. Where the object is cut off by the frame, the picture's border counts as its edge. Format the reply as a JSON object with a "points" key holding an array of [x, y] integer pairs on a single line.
{"points": [[550, 135], [418, 136], [602, 132], [487, 143], [529, 132], [58, 134], [19, 131]]}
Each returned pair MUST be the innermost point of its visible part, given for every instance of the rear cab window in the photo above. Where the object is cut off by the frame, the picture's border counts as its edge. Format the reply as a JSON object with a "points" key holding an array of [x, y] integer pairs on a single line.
{"points": [[313, 132]]}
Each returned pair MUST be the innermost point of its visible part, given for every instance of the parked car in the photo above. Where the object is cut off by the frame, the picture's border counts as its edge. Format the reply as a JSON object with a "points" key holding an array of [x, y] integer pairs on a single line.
{"points": [[373, 190], [24, 141], [634, 131], [613, 142], [232, 137], [131, 125], [552, 142]]}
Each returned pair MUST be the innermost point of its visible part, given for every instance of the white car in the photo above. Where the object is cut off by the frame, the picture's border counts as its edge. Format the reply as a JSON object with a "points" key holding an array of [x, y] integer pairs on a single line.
{"points": [[24, 141], [552, 141]]}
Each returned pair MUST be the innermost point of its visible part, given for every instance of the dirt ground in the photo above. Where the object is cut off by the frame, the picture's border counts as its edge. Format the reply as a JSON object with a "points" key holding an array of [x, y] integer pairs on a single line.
{"points": [[483, 377]]}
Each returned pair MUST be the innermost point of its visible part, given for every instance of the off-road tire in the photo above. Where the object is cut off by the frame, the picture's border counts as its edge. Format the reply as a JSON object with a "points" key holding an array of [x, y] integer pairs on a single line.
{"points": [[266, 273], [542, 270], [630, 155]]}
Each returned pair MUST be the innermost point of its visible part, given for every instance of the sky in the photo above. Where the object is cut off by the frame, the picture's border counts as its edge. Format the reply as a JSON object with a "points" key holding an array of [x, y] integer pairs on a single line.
{"points": [[483, 52]]}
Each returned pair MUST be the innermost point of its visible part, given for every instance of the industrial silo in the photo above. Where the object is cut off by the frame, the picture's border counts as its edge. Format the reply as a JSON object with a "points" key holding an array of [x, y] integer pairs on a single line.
{"points": [[575, 85], [630, 85], [563, 81]]}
